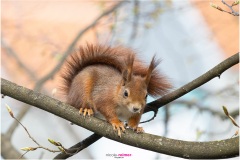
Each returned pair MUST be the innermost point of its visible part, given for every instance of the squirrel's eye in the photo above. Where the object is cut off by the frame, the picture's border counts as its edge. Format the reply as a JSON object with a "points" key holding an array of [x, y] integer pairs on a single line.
{"points": [[125, 93]]}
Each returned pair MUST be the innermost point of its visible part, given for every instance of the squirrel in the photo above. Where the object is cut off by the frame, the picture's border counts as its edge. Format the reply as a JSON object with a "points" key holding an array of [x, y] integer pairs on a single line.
{"points": [[113, 82]]}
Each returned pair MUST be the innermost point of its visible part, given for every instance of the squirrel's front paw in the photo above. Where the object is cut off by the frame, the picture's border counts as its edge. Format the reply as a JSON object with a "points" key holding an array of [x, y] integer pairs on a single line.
{"points": [[138, 129], [119, 126], [86, 111]]}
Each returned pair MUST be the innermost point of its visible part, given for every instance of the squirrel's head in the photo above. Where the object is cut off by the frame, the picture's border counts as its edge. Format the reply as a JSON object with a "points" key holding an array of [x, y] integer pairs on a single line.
{"points": [[134, 87]]}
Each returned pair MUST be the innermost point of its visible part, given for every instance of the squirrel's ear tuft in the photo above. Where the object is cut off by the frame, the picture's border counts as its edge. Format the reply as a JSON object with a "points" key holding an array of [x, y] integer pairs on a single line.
{"points": [[127, 72], [154, 63]]}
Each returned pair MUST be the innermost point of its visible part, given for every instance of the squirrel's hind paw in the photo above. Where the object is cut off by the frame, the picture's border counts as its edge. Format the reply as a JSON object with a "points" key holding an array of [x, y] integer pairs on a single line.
{"points": [[86, 111]]}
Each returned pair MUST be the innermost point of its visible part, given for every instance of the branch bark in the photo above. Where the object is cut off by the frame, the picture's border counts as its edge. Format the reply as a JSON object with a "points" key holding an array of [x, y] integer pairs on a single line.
{"points": [[184, 149]]}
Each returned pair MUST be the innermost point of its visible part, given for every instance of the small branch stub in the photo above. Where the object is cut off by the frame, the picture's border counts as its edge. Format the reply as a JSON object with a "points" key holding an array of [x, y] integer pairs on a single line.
{"points": [[230, 117], [54, 143]]}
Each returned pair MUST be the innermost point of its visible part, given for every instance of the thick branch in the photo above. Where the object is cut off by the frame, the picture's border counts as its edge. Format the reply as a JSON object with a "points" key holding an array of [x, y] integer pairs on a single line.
{"points": [[214, 149], [214, 72]]}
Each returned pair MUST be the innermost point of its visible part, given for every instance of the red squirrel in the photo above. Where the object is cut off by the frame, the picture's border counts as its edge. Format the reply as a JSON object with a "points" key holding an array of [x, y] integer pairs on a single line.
{"points": [[113, 82]]}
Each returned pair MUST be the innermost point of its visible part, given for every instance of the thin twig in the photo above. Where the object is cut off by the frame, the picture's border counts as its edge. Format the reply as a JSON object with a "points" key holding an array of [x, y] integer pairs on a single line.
{"points": [[23, 155], [230, 7], [30, 148], [234, 13], [79, 146], [27, 131], [20, 115]]}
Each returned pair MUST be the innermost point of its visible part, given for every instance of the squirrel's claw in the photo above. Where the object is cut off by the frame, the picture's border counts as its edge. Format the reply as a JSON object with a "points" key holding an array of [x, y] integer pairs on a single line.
{"points": [[119, 126], [86, 111]]}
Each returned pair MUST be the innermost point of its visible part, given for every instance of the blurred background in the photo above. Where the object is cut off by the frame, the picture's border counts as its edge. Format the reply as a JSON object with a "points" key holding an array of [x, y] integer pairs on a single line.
{"points": [[190, 37]]}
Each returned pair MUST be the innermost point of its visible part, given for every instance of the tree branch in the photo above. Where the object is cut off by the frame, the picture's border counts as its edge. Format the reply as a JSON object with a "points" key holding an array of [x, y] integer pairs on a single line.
{"points": [[214, 72], [214, 149]]}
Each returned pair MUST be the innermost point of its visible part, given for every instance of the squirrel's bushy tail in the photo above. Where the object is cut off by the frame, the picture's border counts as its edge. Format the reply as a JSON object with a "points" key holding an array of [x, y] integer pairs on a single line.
{"points": [[115, 57], [91, 55]]}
